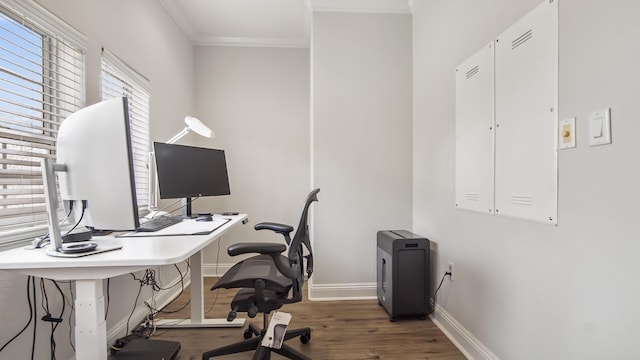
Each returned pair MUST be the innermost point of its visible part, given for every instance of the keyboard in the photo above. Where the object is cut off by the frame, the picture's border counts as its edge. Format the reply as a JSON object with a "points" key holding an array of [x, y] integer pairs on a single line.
{"points": [[159, 222]]}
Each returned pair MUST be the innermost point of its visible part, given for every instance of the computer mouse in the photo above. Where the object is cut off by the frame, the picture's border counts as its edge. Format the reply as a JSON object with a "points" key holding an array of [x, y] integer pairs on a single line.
{"points": [[204, 218]]}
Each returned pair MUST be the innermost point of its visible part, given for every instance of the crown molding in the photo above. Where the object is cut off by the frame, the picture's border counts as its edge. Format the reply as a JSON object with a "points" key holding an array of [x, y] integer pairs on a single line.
{"points": [[362, 6], [252, 42], [414, 5], [350, 6], [181, 20]]}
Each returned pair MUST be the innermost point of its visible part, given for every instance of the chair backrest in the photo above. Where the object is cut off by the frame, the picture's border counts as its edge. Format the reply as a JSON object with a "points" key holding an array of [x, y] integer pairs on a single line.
{"points": [[298, 243]]}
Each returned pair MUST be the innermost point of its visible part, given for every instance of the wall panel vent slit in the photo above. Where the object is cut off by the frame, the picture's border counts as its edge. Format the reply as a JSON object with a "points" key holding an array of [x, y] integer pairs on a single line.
{"points": [[472, 196], [521, 39], [522, 200], [473, 71]]}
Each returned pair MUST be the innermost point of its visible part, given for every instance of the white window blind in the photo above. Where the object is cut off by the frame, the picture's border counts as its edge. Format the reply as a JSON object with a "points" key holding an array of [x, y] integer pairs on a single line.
{"points": [[41, 83], [118, 80]]}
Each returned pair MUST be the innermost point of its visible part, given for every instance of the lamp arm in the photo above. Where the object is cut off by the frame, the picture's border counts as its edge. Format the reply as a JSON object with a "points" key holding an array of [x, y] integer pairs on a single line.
{"points": [[153, 179], [179, 135]]}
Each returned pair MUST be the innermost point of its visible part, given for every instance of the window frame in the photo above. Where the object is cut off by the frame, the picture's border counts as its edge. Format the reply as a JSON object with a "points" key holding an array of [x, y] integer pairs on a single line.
{"points": [[138, 90], [37, 18]]}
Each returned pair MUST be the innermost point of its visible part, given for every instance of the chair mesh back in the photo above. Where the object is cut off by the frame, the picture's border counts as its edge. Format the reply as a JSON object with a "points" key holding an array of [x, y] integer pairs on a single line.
{"points": [[301, 237]]}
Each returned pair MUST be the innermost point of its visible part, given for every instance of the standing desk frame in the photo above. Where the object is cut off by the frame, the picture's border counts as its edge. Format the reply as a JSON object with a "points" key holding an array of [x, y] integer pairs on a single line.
{"points": [[136, 254]]}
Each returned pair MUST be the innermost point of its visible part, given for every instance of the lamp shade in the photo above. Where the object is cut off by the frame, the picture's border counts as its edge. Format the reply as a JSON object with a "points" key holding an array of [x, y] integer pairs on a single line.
{"points": [[195, 125]]}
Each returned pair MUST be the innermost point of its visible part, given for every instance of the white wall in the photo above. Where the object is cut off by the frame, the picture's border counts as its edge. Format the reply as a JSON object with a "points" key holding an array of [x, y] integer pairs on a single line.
{"points": [[143, 35], [524, 290], [361, 110], [256, 100]]}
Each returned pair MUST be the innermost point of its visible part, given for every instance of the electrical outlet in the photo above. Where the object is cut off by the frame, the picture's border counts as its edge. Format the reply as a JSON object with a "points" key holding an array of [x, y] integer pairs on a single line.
{"points": [[450, 271]]}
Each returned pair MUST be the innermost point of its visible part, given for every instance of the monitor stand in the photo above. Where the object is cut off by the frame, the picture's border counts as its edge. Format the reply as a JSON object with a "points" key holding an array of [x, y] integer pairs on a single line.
{"points": [[77, 251], [186, 208], [56, 248]]}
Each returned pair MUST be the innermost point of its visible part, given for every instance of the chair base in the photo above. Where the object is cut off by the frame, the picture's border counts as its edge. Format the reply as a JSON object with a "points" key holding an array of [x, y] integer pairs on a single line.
{"points": [[261, 352]]}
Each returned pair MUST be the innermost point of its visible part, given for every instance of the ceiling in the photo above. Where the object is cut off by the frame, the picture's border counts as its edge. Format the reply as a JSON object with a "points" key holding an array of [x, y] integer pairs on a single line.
{"points": [[278, 23]]}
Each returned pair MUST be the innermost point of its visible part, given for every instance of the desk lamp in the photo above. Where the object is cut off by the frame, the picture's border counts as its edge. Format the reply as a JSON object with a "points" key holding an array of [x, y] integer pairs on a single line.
{"points": [[192, 125]]}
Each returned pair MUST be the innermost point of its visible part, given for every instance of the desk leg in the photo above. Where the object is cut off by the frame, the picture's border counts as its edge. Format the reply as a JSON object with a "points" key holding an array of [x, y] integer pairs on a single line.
{"points": [[91, 328], [197, 288], [197, 303]]}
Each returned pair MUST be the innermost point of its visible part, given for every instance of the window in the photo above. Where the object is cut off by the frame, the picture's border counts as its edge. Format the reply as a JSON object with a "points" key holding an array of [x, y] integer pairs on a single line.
{"points": [[41, 83], [118, 79]]}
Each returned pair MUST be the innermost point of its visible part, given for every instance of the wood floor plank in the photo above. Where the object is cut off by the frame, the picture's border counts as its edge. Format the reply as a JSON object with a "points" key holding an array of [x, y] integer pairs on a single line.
{"points": [[354, 330]]}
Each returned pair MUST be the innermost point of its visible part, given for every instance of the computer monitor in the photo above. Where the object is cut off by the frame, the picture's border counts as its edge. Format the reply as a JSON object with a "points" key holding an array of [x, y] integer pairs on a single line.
{"points": [[94, 146], [188, 171]]}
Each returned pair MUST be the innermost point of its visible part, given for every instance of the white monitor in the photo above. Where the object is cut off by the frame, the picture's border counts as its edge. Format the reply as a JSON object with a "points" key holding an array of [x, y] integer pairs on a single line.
{"points": [[94, 146]]}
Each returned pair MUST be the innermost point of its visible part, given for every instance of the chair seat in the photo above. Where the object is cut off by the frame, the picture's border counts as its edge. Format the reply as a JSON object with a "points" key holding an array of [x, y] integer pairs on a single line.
{"points": [[245, 273], [245, 298]]}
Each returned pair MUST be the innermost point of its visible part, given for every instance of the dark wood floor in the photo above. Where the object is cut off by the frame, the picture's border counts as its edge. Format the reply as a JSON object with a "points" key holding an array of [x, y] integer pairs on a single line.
{"points": [[340, 330]]}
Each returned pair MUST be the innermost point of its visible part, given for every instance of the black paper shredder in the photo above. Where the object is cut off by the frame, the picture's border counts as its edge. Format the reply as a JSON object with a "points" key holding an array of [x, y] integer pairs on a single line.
{"points": [[403, 273]]}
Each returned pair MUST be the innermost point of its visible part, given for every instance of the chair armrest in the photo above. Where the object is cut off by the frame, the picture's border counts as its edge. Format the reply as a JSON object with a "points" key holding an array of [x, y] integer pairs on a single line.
{"points": [[256, 247], [275, 227], [272, 249]]}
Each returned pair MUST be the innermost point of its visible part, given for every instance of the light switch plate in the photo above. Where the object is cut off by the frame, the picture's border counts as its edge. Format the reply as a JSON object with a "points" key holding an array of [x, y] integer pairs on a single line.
{"points": [[600, 127], [567, 133]]}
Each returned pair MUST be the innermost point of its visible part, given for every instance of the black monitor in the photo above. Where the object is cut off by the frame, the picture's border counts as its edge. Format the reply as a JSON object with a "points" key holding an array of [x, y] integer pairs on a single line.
{"points": [[189, 171]]}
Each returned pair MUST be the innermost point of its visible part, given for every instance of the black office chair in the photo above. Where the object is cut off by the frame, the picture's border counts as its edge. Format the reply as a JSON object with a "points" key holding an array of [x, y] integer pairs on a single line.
{"points": [[268, 281]]}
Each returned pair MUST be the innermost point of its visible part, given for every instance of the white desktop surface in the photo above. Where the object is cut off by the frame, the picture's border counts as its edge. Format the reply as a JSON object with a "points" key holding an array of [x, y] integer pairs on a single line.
{"points": [[137, 253]]}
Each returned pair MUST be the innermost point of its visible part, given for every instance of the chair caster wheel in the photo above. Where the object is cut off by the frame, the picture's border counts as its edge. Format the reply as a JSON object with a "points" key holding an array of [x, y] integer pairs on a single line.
{"points": [[304, 338], [248, 334]]}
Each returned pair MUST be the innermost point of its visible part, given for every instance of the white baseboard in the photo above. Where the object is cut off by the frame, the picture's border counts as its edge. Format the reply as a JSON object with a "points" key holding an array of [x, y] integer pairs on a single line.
{"points": [[328, 292], [209, 270], [468, 344], [324, 292]]}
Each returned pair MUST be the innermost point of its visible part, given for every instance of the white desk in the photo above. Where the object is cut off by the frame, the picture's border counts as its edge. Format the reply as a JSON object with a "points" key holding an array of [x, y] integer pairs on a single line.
{"points": [[89, 272]]}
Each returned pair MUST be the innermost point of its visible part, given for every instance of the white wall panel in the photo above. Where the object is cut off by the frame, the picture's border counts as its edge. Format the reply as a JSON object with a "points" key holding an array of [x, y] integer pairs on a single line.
{"points": [[526, 116], [475, 131]]}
